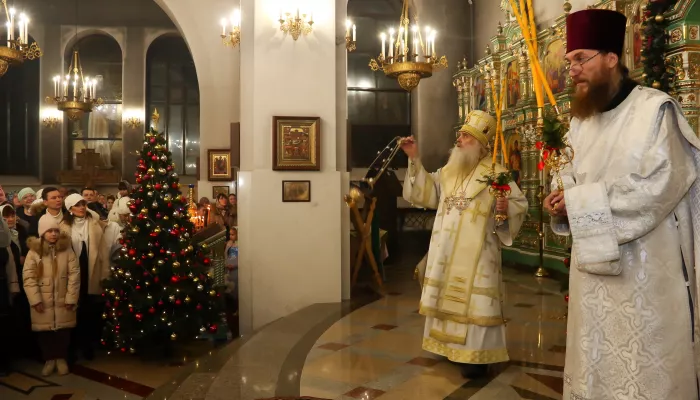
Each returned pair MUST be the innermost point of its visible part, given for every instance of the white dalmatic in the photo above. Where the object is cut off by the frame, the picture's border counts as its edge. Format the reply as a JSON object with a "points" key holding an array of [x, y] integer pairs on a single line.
{"points": [[462, 286], [634, 213]]}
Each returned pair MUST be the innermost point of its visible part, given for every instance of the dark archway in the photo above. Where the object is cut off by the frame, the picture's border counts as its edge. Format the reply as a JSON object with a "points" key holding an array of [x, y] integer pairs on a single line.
{"points": [[19, 119], [172, 87]]}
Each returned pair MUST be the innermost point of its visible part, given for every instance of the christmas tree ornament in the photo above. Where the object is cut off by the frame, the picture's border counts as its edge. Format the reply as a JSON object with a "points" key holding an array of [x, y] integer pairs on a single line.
{"points": [[173, 336], [164, 158], [157, 230], [176, 264], [659, 18], [149, 194], [161, 263], [135, 229], [165, 217], [200, 287], [150, 253], [212, 293], [187, 299], [149, 186], [151, 171], [162, 171], [154, 205], [171, 298]]}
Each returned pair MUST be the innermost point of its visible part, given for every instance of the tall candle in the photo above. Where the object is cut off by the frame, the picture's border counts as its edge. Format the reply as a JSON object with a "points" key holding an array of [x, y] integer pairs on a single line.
{"points": [[223, 27], [26, 31], [391, 46], [383, 36], [354, 33], [12, 24], [347, 28], [297, 13], [21, 31], [9, 33]]}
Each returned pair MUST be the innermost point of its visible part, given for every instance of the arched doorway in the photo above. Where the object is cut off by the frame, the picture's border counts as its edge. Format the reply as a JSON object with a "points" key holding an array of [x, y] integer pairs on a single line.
{"points": [[19, 119], [100, 130]]}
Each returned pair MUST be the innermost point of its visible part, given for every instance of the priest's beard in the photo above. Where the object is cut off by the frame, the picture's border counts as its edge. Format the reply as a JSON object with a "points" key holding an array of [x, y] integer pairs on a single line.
{"points": [[465, 159], [593, 100]]}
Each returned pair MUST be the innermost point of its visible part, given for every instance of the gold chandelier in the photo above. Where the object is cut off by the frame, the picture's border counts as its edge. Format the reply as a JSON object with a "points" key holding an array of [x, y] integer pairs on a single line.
{"points": [[75, 95], [17, 48], [408, 62]]}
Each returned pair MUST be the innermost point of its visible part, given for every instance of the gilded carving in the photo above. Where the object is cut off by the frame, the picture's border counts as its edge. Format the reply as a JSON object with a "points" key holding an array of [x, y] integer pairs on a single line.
{"points": [[694, 65], [676, 35], [676, 62], [694, 32]]}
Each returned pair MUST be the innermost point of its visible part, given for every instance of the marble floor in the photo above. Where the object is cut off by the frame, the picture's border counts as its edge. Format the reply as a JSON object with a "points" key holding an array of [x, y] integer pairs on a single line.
{"points": [[375, 352], [368, 348]]}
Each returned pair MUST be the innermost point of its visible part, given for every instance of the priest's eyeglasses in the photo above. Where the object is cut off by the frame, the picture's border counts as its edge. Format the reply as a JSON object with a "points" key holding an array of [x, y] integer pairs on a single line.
{"points": [[578, 64]]}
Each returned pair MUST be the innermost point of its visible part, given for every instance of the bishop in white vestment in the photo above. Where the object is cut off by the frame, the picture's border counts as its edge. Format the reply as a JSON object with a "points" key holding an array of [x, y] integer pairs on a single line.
{"points": [[462, 286], [631, 202]]}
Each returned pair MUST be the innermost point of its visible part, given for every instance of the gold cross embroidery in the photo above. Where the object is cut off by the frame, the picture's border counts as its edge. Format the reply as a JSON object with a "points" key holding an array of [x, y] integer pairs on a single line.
{"points": [[476, 211], [443, 263], [452, 232]]}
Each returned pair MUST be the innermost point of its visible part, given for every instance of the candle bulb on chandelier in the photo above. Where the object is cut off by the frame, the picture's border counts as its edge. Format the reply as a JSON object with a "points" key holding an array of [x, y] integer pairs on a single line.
{"points": [[354, 33], [383, 36], [12, 24], [9, 32], [347, 28], [415, 42], [236, 18], [26, 31], [223, 26], [391, 44], [56, 80], [21, 28]]}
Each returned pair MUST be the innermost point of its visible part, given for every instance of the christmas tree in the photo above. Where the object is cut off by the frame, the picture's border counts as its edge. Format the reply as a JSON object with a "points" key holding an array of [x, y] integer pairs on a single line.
{"points": [[160, 289]]}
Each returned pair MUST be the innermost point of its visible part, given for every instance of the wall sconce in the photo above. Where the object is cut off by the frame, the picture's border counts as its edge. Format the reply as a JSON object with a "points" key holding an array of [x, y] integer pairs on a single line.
{"points": [[52, 118], [233, 37], [132, 119], [350, 40], [296, 25]]}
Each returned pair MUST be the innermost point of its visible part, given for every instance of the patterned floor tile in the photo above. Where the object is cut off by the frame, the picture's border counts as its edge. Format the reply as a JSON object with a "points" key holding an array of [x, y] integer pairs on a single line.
{"points": [[554, 383], [384, 327], [423, 362], [364, 393], [333, 346]]}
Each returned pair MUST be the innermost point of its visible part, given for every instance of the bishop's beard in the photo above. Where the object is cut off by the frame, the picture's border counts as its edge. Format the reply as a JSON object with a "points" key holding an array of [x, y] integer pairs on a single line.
{"points": [[593, 101], [464, 159]]}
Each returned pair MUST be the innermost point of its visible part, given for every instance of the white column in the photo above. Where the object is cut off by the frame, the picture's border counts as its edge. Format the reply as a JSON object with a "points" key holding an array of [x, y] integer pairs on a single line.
{"points": [[291, 254], [294, 250]]}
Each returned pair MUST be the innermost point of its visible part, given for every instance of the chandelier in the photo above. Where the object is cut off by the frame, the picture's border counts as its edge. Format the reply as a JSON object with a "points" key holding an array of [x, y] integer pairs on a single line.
{"points": [[296, 25], [408, 61], [75, 95], [232, 37], [17, 48]]}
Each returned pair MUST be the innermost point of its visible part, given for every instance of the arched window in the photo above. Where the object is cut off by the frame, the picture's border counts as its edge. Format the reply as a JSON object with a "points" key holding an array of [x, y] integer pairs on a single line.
{"points": [[172, 88], [100, 130], [19, 119]]}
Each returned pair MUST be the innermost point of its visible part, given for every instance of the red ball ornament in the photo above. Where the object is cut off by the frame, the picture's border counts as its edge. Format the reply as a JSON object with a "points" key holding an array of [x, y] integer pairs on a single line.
{"points": [[138, 287], [183, 253], [152, 310], [156, 279], [199, 307], [131, 309], [139, 316], [158, 186], [174, 185], [149, 154], [138, 262], [139, 180], [206, 261], [153, 141], [153, 234], [145, 273], [159, 215], [169, 168], [142, 217], [170, 205], [213, 328], [178, 302], [566, 298], [116, 328], [123, 349], [160, 303], [154, 158], [116, 304], [174, 279]]}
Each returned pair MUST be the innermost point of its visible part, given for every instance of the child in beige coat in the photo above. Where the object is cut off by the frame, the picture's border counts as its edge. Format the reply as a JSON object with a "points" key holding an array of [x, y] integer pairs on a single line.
{"points": [[52, 282]]}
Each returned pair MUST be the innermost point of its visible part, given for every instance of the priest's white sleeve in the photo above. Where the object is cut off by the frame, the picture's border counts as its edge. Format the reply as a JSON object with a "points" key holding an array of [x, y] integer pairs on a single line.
{"points": [[420, 187], [517, 209], [604, 215]]}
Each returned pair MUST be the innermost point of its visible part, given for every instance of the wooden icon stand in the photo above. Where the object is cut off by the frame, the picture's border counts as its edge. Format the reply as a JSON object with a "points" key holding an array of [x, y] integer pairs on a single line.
{"points": [[363, 227]]}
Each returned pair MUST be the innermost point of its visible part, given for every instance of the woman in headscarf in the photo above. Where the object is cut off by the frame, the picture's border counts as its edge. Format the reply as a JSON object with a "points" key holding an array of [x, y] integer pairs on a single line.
{"points": [[89, 244]]}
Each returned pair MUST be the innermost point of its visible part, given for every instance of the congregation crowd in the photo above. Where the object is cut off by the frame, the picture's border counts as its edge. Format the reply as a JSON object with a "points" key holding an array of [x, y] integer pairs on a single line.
{"points": [[57, 245]]}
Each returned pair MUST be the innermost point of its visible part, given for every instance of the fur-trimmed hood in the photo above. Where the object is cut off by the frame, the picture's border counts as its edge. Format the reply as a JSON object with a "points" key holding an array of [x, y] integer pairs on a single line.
{"points": [[37, 208], [62, 244]]}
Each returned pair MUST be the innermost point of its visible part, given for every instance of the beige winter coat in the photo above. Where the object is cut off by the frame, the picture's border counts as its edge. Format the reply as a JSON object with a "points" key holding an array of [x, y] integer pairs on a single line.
{"points": [[58, 283], [98, 253]]}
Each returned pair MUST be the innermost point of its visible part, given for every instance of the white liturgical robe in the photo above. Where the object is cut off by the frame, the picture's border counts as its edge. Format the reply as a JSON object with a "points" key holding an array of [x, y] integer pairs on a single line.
{"points": [[633, 206], [462, 286]]}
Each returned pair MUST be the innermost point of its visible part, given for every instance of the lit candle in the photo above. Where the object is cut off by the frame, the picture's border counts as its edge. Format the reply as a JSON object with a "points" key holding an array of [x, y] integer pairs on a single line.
{"points": [[26, 31], [347, 28], [383, 36], [415, 41], [297, 13], [55, 86], [12, 24], [354, 33], [391, 44], [223, 27], [427, 43], [65, 88], [94, 88], [21, 30], [9, 33], [433, 45], [236, 20]]}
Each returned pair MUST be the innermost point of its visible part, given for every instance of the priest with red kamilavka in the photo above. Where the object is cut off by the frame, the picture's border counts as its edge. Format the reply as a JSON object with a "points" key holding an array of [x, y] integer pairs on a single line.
{"points": [[631, 202]]}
